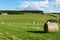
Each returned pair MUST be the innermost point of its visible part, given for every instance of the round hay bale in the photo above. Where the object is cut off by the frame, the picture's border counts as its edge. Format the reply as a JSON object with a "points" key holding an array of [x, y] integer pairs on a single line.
{"points": [[51, 27]]}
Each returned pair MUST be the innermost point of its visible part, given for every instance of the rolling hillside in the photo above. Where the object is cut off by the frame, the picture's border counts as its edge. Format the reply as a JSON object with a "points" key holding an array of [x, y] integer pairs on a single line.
{"points": [[26, 27]]}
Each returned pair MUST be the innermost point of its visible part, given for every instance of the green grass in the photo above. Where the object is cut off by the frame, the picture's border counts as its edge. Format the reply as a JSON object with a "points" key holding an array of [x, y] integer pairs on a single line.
{"points": [[21, 27]]}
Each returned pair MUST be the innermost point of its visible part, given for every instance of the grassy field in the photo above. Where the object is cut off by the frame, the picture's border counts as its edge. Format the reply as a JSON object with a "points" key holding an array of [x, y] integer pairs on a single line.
{"points": [[26, 27]]}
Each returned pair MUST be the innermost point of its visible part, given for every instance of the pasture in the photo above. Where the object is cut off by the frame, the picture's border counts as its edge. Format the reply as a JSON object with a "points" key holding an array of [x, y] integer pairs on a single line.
{"points": [[26, 27]]}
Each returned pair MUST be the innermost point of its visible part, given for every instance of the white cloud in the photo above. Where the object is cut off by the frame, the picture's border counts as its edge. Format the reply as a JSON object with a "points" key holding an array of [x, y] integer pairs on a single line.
{"points": [[33, 4], [58, 5], [54, 6]]}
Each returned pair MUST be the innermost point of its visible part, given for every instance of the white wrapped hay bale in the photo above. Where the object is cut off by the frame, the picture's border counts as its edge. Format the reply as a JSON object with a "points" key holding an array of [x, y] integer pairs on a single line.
{"points": [[4, 14], [51, 27]]}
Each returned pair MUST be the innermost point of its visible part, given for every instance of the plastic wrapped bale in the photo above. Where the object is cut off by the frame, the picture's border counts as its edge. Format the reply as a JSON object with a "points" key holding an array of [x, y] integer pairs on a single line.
{"points": [[51, 27]]}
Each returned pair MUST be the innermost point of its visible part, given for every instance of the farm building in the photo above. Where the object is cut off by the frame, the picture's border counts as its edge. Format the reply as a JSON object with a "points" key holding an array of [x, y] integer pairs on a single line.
{"points": [[21, 11]]}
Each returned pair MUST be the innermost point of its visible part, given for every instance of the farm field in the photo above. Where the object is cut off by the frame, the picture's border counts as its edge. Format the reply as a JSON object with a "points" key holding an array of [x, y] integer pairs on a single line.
{"points": [[26, 27]]}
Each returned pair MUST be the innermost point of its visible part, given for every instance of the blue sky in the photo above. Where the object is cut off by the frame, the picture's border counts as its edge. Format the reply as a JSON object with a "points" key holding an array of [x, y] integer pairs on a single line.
{"points": [[45, 5]]}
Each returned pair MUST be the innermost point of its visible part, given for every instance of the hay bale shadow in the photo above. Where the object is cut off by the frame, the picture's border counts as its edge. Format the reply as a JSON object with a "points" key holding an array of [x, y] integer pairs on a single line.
{"points": [[36, 32]]}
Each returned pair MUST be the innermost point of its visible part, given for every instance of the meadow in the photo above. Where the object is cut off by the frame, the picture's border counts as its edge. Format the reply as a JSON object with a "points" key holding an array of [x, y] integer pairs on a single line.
{"points": [[26, 27]]}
